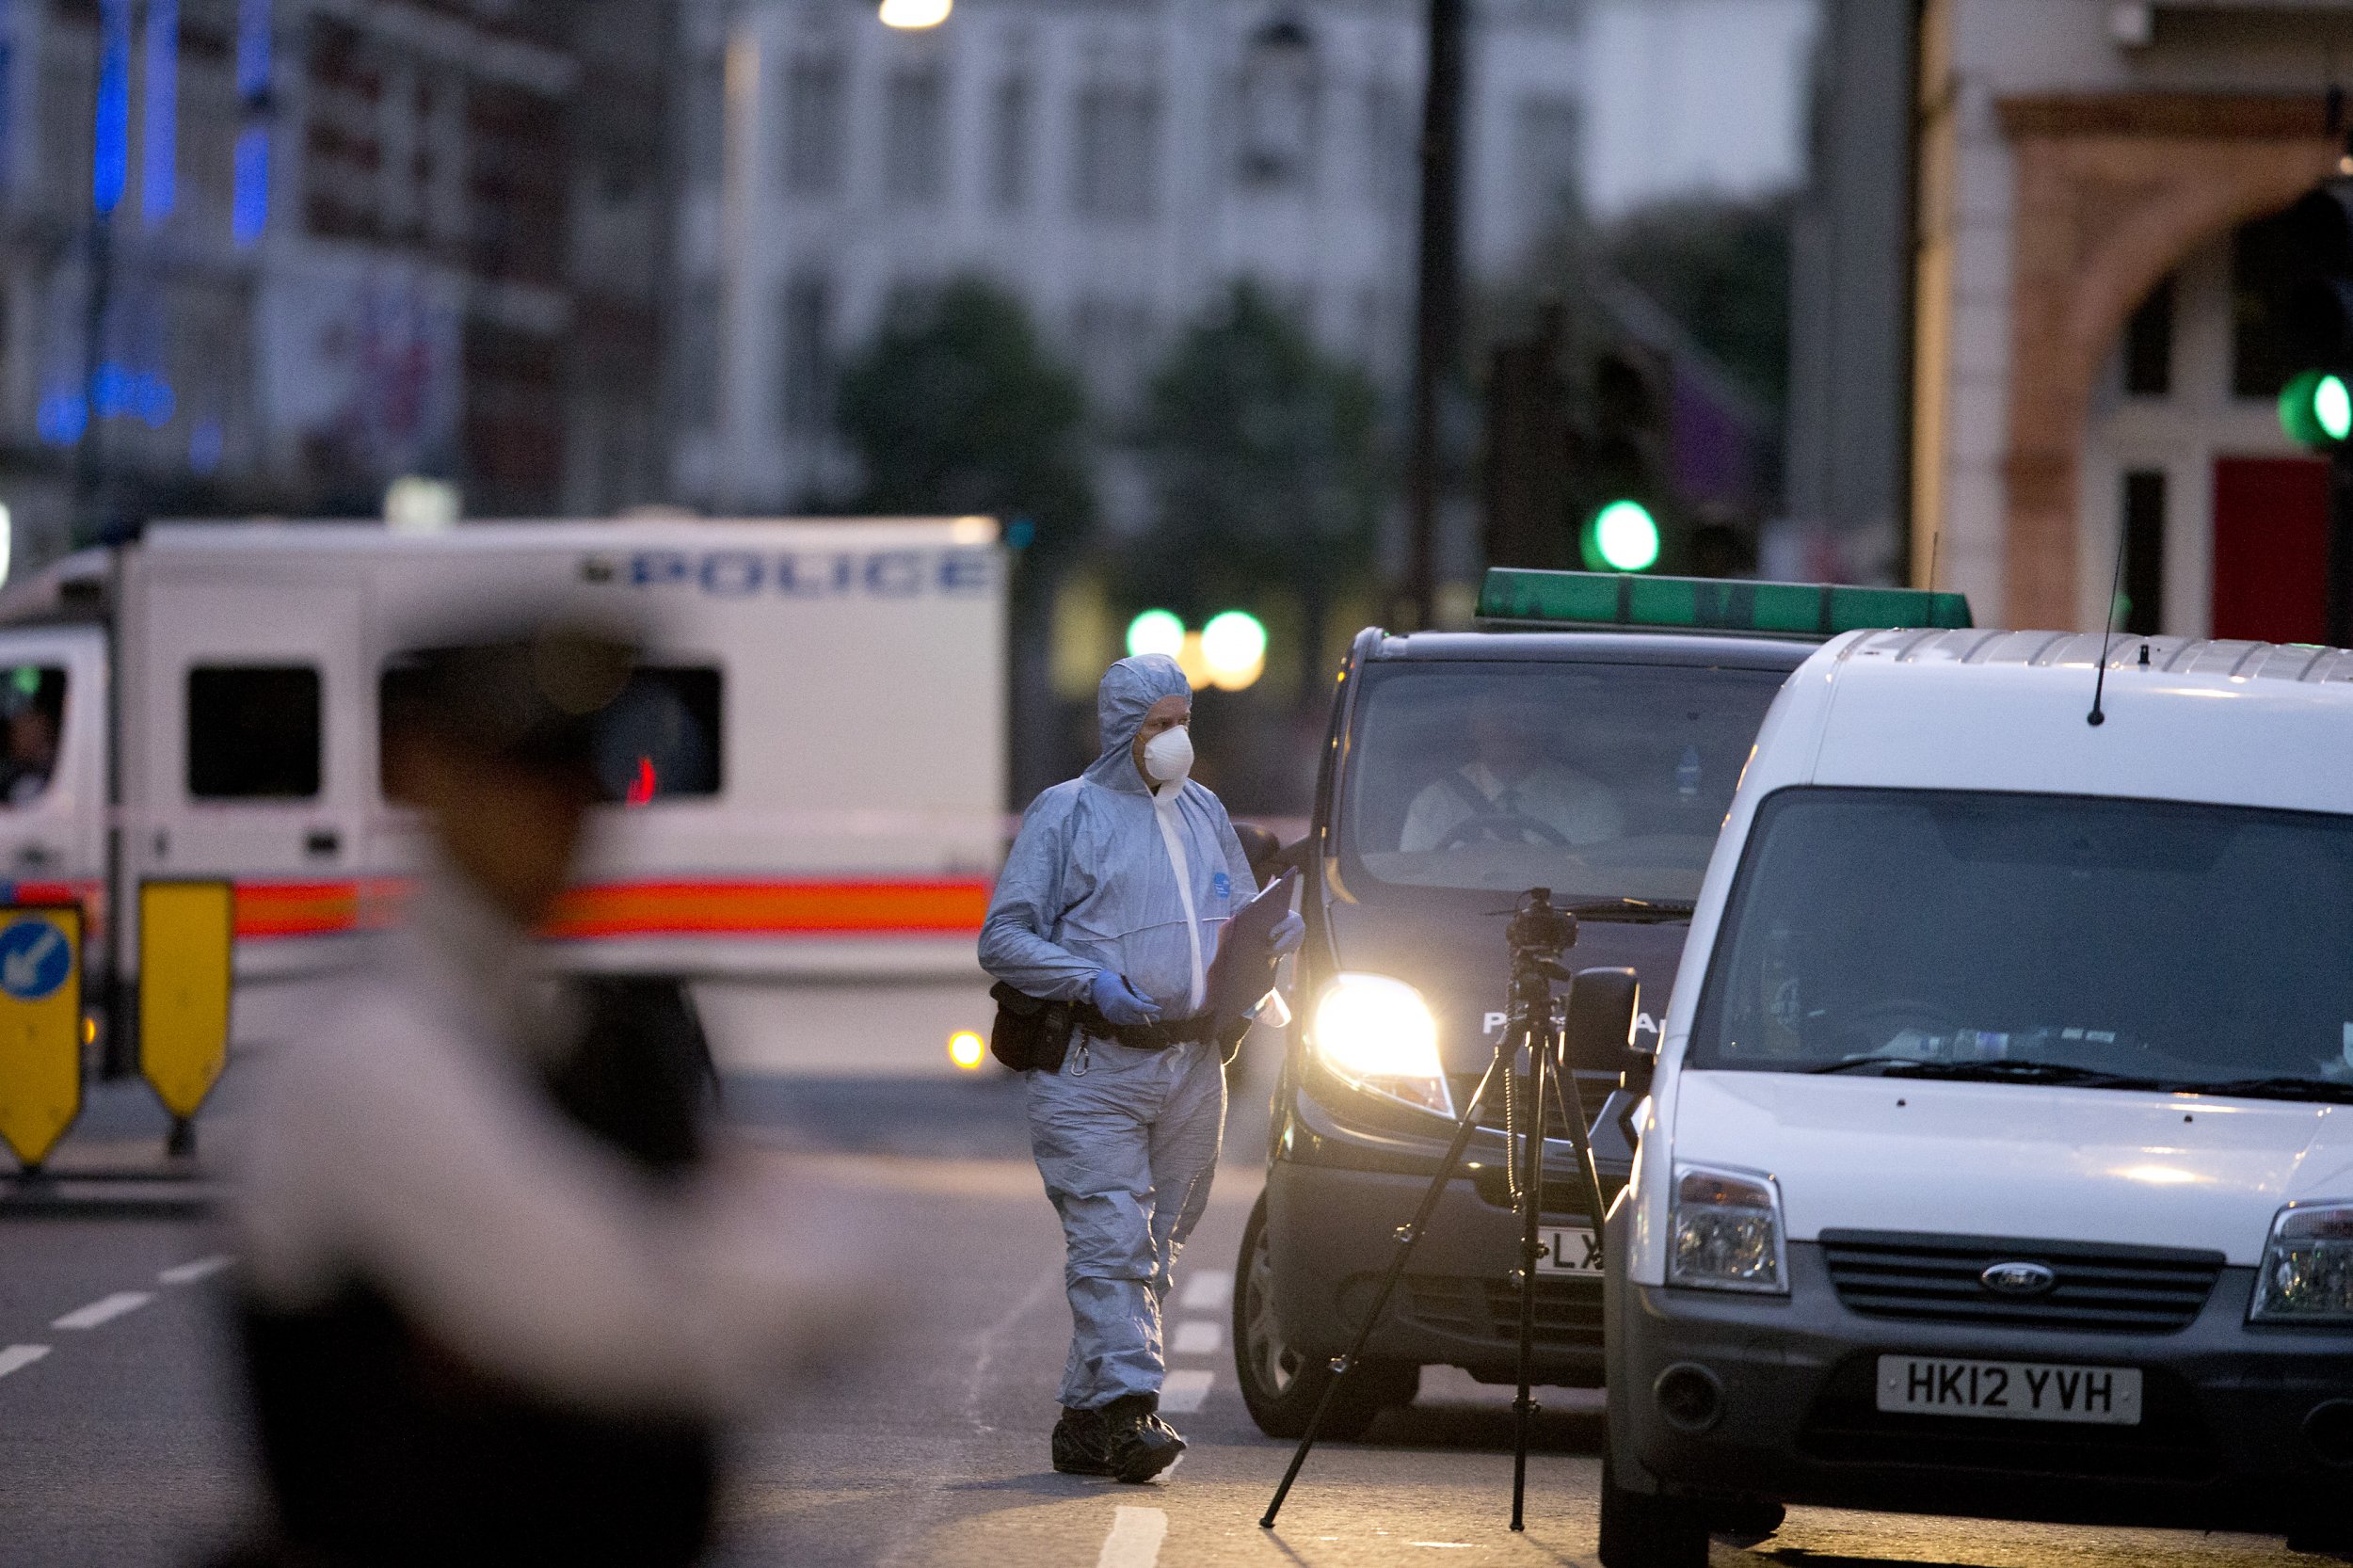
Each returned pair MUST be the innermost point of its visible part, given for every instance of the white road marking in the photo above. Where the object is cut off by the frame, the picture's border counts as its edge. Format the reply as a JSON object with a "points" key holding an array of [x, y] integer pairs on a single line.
{"points": [[105, 1310], [188, 1273], [1199, 1337], [1208, 1290], [1184, 1391], [16, 1356], [1135, 1538]]}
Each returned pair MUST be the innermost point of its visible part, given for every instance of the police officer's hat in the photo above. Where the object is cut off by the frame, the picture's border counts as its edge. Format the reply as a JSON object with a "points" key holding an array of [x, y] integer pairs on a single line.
{"points": [[527, 692]]}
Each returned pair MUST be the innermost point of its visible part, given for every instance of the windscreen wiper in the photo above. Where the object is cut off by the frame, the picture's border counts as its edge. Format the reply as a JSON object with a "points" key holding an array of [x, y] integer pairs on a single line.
{"points": [[1631, 911], [2002, 1070], [2281, 1087]]}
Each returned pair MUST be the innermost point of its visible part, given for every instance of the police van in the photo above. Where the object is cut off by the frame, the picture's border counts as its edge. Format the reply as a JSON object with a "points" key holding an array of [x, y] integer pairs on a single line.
{"points": [[1996, 1158], [1586, 739], [805, 775]]}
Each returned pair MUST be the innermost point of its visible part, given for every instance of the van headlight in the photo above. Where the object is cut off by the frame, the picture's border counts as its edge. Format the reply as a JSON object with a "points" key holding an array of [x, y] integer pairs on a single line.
{"points": [[1376, 1034], [2307, 1272], [1726, 1232]]}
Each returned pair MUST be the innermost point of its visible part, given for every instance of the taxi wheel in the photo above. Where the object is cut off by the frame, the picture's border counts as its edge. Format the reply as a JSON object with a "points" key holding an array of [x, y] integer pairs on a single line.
{"points": [[1282, 1388], [1641, 1529]]}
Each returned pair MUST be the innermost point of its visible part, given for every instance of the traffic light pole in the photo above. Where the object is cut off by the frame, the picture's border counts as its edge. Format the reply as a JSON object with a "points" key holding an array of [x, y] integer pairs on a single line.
{"points": [[1437, 297]]}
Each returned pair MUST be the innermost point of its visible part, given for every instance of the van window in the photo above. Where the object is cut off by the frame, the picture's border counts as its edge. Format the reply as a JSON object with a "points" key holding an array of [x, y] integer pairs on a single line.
{"points": [[253, 733], [660, 739], [1599, 782], [2035, 938], [32, 709]]}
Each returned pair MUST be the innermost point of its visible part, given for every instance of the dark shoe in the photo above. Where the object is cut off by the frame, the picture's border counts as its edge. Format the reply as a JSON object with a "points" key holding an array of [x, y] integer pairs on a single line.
{"points": [[1141, 1444], [1083, 1444]]}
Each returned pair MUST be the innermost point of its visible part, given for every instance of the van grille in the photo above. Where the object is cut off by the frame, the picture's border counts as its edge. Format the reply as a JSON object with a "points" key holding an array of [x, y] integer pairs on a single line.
{"points": [[2119, 1290]]}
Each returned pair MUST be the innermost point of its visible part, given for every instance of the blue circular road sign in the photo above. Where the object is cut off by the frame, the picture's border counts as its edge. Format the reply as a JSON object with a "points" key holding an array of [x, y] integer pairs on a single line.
{"points": [[35, 959]]}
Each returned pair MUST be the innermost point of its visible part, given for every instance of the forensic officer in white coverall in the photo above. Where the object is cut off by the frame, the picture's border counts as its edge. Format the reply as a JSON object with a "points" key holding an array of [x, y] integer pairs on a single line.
{"points": [[1114, 897]]}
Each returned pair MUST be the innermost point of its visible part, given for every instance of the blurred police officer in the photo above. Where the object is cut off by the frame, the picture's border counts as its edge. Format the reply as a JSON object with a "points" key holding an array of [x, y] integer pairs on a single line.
{"points": [[497, 1300], [1113, 896]]}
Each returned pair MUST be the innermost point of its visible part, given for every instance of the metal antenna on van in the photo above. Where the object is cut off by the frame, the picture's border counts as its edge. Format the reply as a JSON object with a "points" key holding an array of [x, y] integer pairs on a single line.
{"points": [[2107, 629], [1936, 545]]}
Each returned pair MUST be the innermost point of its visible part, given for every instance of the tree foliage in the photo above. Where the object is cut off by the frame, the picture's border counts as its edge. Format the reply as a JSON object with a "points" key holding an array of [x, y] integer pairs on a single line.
{"points": [[1263, 452], [1720, 266], [954, 407]]}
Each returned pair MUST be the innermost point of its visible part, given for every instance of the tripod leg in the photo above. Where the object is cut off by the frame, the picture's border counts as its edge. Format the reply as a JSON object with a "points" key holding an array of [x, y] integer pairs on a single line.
{"points": [[1406, 1236], [1533, 1199]]}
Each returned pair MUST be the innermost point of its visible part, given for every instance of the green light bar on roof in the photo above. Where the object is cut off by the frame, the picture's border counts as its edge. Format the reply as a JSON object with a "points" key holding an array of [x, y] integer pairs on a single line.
{"points": [[1711, 605]]}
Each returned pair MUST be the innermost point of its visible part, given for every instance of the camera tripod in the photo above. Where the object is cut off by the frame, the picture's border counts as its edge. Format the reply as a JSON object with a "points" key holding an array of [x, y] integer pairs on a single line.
{"points": [[1529, 1063]]}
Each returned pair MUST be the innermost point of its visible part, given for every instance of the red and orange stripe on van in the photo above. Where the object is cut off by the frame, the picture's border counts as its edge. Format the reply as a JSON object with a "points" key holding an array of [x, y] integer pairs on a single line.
{"points": [[865, 907]]}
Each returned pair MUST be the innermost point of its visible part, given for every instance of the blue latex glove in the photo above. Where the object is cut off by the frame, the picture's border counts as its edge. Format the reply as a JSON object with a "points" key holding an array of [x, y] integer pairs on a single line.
{"points": [[1121, 1002], [1287, 934]]}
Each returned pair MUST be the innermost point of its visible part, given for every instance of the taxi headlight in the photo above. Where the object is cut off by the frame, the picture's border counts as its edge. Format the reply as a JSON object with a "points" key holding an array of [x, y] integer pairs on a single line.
{"points": [[2307, 1272], [1726, 1232], [1376, 1034]]}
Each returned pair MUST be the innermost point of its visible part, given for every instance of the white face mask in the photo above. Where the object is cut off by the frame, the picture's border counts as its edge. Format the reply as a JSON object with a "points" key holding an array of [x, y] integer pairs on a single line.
{"points": [[1168, 756]]}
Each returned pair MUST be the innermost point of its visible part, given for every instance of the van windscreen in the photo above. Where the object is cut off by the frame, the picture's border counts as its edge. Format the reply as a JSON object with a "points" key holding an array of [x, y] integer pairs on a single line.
{"points": [[1600, 781], [2035, 938]]}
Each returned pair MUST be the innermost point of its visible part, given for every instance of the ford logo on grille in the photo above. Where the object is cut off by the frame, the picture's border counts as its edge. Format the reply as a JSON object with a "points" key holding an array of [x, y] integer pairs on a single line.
{"points": [[2018, 1279]]}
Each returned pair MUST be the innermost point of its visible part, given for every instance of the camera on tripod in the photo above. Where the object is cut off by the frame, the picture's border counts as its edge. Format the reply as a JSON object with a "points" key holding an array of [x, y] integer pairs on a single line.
{"points": [[1538, 931]]}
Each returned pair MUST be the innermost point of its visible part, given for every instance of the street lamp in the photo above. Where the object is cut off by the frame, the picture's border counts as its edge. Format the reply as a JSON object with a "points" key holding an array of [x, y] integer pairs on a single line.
{"points": [[915, 15]]}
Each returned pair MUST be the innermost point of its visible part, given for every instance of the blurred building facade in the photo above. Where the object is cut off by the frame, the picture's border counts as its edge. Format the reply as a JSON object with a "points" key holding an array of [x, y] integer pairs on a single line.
{"points": [[1115, 167], [2093, 356], [312, 245]]}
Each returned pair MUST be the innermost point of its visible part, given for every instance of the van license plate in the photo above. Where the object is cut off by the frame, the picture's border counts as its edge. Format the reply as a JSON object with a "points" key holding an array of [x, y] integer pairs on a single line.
{"points": [[2010, 1390], [1565, 1249]]}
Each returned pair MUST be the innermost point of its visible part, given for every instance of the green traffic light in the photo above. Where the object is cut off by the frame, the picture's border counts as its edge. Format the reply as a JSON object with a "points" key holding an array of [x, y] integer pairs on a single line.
{"points": [[2316, 409], [1156, 631], [1623, 536]]}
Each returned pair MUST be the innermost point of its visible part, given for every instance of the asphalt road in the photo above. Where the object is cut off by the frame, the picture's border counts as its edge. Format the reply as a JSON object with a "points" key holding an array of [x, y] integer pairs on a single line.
{"points": [[120, 1444]]}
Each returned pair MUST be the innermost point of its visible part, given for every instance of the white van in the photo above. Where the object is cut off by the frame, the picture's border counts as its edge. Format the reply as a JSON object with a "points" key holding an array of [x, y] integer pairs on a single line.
{"points": [[810, 779], [1997, 1157]]}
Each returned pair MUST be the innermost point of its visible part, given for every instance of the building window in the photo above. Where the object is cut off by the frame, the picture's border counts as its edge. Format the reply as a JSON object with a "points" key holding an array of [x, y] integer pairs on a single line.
{"points": [[706, 110], [1392, 173], [1277, 109], [816, 105], [1116, 161], [698, 357], [1009, 145], [805, 313], [1113, 341], [253, 733], [2143, 610], [914, 137], [2148, 345], [1550, 136]]}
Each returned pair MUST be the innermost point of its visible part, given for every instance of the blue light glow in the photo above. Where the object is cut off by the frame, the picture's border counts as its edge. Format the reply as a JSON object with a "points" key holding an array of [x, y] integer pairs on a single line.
{"points": [[110, 156], [121, 393], [159, 182], [253, 49], [62, 418], [250, 209]]}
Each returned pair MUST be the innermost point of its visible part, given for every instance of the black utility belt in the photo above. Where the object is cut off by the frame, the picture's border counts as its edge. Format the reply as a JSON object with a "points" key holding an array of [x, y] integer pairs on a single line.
{"points": [[1157, 1036]]}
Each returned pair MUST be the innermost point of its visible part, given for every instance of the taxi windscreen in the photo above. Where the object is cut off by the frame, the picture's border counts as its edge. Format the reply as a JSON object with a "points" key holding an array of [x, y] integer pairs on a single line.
{"points": [[2036, 939], [1600, 781]]}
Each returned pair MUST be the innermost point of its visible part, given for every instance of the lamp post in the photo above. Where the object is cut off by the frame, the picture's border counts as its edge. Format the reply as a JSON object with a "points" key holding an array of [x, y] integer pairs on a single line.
{"points": [[1437, 306]]}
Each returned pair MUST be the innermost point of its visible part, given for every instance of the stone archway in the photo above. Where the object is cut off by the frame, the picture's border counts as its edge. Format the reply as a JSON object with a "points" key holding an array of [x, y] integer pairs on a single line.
{"points": [[2112, 190]]}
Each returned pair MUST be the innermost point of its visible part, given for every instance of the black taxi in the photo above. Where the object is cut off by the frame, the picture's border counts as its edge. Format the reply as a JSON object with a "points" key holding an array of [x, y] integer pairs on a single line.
{"points": [[1587, 739]]}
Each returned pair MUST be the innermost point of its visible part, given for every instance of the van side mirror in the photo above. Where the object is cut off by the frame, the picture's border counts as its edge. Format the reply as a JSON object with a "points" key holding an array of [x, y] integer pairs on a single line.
{"points": [[1298, 855], [1598, 1036]]}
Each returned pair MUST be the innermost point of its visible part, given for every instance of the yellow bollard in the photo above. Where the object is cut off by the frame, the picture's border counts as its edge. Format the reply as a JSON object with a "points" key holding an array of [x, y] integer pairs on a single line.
{"points": [[188, 936], [40, 1028]]}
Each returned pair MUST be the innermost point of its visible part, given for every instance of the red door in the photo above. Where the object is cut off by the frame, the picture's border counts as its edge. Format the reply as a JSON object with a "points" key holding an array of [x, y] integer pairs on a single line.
{"points": [[2271, 549]]}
